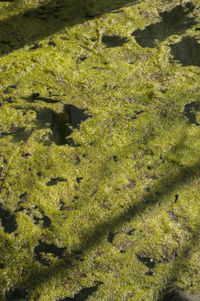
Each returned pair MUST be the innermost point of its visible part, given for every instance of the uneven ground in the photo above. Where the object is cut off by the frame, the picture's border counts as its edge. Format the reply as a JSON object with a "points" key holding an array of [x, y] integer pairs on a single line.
{"points": [[99, 149]]}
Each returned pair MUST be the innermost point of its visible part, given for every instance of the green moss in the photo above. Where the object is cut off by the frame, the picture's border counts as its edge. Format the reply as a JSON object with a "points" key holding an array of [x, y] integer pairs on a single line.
{"points": [[130, 171]]}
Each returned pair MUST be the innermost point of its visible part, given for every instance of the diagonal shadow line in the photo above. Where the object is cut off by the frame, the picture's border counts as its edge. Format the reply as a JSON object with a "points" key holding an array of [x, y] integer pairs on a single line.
{"points": [[41, 22], [147, 201], [178, 263]]}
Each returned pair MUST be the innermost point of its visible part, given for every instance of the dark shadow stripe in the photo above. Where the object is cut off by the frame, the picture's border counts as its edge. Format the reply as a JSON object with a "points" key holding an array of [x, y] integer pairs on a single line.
{"points": [[48, 19], [166, 185]]}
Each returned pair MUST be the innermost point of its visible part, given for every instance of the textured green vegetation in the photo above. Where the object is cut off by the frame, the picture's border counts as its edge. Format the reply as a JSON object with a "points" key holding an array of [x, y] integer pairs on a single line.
{"points": [[111, 202]]}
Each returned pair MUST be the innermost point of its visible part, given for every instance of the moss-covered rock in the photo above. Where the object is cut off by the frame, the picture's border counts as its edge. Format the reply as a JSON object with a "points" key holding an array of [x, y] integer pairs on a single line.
{"points": [[99, 149]]}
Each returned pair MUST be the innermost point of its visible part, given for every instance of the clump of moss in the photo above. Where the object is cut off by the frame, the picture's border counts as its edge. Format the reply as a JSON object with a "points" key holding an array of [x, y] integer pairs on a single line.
{"points": [[102, 197]]}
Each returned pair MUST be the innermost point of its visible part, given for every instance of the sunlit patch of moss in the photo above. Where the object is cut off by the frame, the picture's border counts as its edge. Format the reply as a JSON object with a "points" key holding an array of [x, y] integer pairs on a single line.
{"points": [[125, 192]]}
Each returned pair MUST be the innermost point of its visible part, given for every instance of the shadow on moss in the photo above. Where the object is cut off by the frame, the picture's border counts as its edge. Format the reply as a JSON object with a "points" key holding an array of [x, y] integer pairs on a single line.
{"points": [[175, 21], [38, 23], [147, 201]]}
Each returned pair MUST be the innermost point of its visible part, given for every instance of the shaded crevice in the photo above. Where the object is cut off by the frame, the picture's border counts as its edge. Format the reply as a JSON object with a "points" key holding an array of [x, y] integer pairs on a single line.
{"points": [[97, 68], [77, 160], [9, 89], [78, 179], [2, 265], [52, 43], [52, 17], [76, 115], [110, 10], [33, 212], [83, 294], [187, 52], [35, 46], [110, 237], [18, 134], [23, 196], [9, 99], [115, 159], [176, 198], [148, 262], [81, 58], [8, 220], [54, 181], [63, 206], [135, 115], [190, 111], [113, 41], [47, 248], [16, 294], [44, 219], [130, 231], [179, 295], [61, 124], [175, 21], [36, 96], [26, 155], [165, 187]]}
